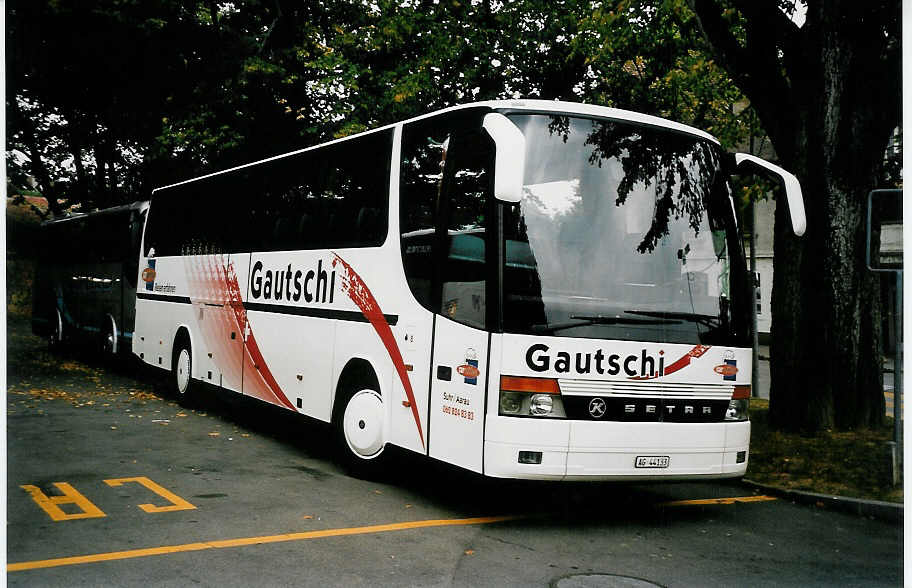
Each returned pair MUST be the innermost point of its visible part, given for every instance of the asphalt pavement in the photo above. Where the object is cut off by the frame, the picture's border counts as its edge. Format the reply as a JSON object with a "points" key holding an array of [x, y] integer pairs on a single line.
{"points": [[110, 482]]}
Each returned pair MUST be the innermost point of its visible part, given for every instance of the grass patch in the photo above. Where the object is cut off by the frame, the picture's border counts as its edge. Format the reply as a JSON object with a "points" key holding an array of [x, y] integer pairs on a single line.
{"points": [[20, 274], [845, 463]]}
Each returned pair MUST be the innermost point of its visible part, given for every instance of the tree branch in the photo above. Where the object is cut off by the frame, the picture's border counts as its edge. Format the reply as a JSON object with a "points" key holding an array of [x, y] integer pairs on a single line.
{"points": [[775, 25], [755, 68], [272, 25], [36, 164], [214, 15], [771, 33]]}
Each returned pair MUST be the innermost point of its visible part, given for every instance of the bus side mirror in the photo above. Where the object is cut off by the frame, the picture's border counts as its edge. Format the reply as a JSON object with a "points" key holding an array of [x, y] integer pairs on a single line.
{"points": [[789, 182], [509, 157]]}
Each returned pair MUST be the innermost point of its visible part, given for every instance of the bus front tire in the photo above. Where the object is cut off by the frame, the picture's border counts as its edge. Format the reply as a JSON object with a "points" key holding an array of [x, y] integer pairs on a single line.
{"points": [[360, 442], [181, 371]]}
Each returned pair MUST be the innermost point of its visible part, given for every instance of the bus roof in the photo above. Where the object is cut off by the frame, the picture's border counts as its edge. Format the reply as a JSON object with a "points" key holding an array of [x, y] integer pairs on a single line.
{"points": [[560, 107], [138, 205], [531, 106]]}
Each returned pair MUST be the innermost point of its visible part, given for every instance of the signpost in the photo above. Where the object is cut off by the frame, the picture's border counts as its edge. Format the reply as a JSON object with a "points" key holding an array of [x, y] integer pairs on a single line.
{"points": [[884, 253]]}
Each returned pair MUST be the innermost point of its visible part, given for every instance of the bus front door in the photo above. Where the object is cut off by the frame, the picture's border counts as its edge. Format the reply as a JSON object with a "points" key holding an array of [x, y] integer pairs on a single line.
{"points": [[459, 372]]}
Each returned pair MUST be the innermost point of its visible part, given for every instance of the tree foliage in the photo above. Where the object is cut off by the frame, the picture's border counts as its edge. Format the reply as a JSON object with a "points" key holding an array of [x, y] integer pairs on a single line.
{"points": [[110, 98], [107, 102]]}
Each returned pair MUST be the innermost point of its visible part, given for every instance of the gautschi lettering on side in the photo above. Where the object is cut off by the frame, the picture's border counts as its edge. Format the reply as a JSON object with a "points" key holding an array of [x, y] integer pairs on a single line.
{"points": [[290, 283]]}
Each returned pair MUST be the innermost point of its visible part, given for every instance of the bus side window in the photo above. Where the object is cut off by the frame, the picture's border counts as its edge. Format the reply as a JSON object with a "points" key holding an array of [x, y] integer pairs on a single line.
{"points": [[468, 182], [331, 197], [131, 263], [150, 248], [164, 231], [421, 170], [84, 242], [445, 188]]}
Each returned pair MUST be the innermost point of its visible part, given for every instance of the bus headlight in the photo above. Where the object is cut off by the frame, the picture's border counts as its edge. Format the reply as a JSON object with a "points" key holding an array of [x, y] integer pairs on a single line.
{"points": [[739, 404], [537, 397], [541, 404], [510, 402], [737, 410]]}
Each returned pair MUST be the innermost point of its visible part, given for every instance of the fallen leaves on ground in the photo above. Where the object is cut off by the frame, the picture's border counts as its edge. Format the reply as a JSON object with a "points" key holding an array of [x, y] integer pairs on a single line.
{"points": [[843, 463]]}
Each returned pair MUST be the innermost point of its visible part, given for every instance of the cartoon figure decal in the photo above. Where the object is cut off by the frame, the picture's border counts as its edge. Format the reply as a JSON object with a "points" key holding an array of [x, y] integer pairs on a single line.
{"points": [[148, 275], [729, 369], [470, 370]]}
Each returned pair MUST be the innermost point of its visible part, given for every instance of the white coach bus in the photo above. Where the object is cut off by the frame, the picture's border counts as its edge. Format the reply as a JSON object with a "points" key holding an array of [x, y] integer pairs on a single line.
{"points": [[524, 289]]}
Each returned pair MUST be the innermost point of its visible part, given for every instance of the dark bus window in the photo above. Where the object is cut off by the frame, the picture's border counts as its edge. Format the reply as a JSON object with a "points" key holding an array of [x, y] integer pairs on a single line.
{"points": [[335, 196], [468, 182], [421, 171], [134, 234], [445, 183], [332, 197]]}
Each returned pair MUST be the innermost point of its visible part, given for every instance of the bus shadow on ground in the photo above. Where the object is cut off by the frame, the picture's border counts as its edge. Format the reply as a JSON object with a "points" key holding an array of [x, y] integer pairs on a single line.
{"points": [[443, 485], [453, 489]]}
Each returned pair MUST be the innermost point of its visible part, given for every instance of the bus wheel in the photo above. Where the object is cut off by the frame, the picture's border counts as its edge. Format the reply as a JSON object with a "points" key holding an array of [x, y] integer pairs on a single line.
{"points": [[55, 338], [359, 428], [109, 338], [181, 370]]}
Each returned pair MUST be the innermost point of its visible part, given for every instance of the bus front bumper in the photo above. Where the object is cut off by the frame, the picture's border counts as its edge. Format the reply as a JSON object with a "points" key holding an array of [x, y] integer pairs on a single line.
{"points": [[582, 450]]}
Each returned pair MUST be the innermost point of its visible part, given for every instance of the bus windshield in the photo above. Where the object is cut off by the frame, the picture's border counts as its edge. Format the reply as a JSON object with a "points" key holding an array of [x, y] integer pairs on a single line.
{"points": [[624, 232]]}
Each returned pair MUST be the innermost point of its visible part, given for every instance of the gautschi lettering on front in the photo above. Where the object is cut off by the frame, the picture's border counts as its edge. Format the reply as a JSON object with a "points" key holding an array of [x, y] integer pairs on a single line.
{"points": [[643, 365]]}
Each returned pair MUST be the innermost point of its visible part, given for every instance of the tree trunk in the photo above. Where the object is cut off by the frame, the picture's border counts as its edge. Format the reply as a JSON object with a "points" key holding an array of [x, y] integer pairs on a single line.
{"points": [[80, 188], [99, 197], [826, 354], [829, 98], [826, 351]]}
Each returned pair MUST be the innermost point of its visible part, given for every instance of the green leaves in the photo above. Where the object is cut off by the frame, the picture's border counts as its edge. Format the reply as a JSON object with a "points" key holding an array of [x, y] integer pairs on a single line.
{"points": [[200, 86]]}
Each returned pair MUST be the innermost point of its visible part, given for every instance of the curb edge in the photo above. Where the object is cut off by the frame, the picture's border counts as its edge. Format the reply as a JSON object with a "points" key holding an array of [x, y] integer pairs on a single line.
{"points": [[878, 509]]}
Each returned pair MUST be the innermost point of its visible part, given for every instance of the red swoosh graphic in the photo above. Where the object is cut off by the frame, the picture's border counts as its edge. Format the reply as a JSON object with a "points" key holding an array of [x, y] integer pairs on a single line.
{"points": [[250, 343], [360, 294], [682, 363]]}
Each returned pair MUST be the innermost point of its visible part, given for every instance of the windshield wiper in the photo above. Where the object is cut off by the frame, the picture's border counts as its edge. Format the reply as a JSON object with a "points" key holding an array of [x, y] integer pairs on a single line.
{"points": [[599, 319], [585, 320], [695, 317]]}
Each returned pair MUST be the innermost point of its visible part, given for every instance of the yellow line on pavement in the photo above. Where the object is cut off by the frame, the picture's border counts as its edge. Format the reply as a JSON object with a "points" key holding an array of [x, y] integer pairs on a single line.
{"points": [[243, 541], [729, 500], [303, 536]]}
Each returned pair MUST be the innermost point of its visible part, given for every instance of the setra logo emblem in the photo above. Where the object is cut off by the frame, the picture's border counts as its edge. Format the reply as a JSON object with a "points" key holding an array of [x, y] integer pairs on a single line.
{"points": [[597, 408]]}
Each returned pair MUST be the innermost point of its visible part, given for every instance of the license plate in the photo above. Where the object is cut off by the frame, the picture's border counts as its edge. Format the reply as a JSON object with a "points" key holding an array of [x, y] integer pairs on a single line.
{"points": [[652, 461]]}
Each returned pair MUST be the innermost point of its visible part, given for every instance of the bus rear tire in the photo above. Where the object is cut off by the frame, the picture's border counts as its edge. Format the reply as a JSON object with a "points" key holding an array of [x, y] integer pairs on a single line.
{"points": [[181, 372], [109, 338], [359, 426], [55, 337]]}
